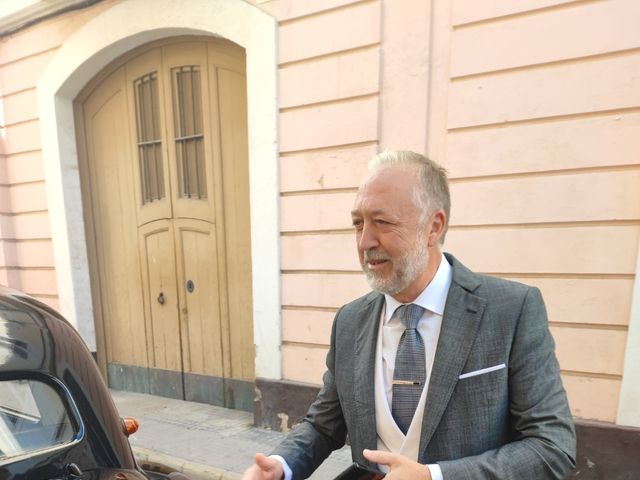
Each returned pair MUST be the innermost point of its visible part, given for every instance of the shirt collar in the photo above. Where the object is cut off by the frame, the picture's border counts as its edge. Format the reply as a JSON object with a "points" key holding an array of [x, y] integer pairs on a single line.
{"points": [[432, 298]]}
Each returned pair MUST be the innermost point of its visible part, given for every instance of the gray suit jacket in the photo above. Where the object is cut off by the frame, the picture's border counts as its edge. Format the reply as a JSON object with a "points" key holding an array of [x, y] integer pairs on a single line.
{"points": [[512, 423]]}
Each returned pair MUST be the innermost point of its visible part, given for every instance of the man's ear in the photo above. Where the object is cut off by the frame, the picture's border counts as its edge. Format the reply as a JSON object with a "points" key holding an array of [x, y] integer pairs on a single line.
{"points": [[436, 227]]}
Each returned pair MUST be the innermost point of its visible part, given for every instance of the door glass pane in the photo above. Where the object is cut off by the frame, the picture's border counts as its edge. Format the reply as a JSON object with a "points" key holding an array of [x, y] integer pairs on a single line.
{"points": [[189, 138], [149, 140]]}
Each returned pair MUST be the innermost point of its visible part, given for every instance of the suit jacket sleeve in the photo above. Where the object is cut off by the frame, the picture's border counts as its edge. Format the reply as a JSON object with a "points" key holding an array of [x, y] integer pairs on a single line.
{"points": [[543, 436], [322, 430]]}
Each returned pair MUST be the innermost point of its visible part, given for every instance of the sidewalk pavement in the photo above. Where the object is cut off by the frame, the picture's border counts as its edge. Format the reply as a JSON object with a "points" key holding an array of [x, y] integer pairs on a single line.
{"points": [[202, 441]]}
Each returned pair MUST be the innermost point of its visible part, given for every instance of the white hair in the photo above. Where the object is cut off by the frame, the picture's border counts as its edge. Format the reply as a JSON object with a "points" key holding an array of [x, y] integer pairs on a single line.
{"points": [[433, 192]]}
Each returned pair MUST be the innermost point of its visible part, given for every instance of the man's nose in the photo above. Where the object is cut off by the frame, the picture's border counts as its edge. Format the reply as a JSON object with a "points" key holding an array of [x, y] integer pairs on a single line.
{"points": [[367, 238]]}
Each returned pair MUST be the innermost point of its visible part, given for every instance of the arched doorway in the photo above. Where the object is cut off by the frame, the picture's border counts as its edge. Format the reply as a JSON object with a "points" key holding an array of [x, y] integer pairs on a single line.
{"points": [[162, 142]]}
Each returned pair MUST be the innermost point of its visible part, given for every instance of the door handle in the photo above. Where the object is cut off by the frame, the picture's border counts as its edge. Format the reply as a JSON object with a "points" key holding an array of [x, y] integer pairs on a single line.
{"points": [[161, 298]]}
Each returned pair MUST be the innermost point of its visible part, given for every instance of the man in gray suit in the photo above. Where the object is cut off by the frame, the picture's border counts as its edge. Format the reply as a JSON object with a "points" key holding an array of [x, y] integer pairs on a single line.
{"points": [[488, 401]]}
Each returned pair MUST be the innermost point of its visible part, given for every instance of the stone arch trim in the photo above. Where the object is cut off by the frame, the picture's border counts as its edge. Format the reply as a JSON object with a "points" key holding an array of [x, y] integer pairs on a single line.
{"points": [[628, 411], [110, 34]]}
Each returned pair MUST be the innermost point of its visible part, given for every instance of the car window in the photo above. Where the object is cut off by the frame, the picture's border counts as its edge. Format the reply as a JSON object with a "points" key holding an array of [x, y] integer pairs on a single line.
{"points": [[33, 416]]}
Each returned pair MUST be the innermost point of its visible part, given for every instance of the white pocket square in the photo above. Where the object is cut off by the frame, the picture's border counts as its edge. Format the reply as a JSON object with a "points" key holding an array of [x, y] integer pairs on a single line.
{"points": [[482, 371]]}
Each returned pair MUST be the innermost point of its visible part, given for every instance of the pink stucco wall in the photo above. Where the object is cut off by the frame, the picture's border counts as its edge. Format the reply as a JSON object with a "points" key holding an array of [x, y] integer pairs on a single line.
{"points": [[26, 254], [533, 106], [535, 118]]}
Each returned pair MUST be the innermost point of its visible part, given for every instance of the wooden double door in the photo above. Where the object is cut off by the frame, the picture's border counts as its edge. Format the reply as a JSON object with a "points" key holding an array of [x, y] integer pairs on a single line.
{"points": [[162, 137]]}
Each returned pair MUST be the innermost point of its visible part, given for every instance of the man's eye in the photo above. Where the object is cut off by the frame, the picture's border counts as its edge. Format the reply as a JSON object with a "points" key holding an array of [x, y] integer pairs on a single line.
{"points": [[357, 224], [382, 222]]}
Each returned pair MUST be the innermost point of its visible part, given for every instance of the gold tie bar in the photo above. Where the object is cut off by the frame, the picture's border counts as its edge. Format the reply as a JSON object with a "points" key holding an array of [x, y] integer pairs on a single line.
{"points": [[405, 382]]}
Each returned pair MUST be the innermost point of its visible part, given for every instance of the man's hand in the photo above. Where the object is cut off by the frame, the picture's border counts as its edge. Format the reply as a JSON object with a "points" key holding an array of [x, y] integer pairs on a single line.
{"points": [[400, 467], [265, 468]]}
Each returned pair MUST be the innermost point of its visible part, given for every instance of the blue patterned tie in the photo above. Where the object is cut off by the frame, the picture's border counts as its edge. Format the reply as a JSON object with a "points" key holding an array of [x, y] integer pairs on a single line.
{"points": [[410, 371]]}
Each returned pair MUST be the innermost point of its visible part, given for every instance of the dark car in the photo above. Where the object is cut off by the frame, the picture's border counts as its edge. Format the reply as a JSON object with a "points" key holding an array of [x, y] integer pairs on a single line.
{"points": [[57, 418]]}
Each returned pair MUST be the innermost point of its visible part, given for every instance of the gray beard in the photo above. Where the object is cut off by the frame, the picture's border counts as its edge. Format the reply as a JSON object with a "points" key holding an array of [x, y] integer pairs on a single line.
{"points": [[407, 269]]}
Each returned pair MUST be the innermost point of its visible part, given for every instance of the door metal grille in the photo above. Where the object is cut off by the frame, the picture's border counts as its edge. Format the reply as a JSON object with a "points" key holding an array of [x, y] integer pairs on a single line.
{"points": [[149, 138], [189, 137]]}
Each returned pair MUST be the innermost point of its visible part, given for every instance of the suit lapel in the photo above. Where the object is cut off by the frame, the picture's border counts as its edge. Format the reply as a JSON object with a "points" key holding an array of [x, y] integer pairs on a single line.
{"points": [[462, 314], [367, 326]]}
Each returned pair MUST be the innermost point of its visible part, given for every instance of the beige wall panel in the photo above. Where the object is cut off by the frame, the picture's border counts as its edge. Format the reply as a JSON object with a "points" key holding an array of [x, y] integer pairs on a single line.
{"points": [[330, 32], [306, 326], [598, 196], [592, 398], [316, 212], [20, 106], [466, 11], [408, 48], [439, 80], [28, 197], [335, 168], [601, 351], [322, 290], [47, 34], [53, 302], [30, 254], [319, 252], [579, 197], [329, 125], [33, 281], [614, 82], [23, 137], [303, 364], [30, 226], [560, 250], [8, 277], [25, 226], [329, 78], [602, 141], [24, 167], [7, 254], [5, 199], [24, 73], [289, 9], [585, 300], [616, 22], [6, 223]]}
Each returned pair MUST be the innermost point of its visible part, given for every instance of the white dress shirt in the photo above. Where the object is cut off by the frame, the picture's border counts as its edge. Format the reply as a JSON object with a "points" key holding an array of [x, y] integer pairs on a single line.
{"points": [[390, 437], [432, 299]]}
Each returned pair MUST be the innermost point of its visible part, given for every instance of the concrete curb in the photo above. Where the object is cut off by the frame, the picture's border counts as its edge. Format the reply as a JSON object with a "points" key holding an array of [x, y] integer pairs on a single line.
{"points": [[195, 471]]}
